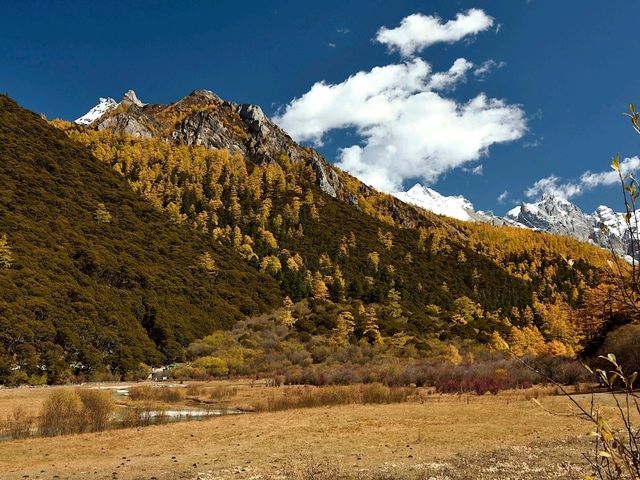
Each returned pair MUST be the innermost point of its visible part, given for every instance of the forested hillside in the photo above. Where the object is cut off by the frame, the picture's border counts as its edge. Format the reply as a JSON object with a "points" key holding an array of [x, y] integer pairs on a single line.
{"points": [[347, 248], [118, 249], [92, 276]]}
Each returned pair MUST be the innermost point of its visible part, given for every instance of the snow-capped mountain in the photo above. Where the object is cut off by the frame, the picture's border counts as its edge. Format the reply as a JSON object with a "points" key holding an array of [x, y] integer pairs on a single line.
{"points": [[428, 199], [103, 106], [555, 215], [551, 214], [455, 206], [107, 104]]}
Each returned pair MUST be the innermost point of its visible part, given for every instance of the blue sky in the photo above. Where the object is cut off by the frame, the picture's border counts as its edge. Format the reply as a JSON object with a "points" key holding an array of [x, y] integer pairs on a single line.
{"points": [[570, 67]]}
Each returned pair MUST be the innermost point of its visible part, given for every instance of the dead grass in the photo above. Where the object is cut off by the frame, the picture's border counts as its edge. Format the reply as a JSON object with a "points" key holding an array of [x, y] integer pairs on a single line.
{"points": [[157, 393], [221, 393], [29, 398], [18, 424], [310, 397], [439, 436]]}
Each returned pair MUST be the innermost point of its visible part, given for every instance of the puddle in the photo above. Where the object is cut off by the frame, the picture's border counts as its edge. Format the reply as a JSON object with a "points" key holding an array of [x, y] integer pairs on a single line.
{"points": [[177, 414]]}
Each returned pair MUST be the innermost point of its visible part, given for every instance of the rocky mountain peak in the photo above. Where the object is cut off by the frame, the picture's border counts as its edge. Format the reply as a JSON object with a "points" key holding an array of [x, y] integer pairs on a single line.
{"points": [[202, 118], [103, 106], [203, 94], [130, 98], [551, 214]]}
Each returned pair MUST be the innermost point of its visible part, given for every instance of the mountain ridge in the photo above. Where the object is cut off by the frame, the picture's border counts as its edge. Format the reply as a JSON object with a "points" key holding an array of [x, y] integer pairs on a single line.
{"points": [[217, 171], [202, 118], [258, 137], [550, 214]]}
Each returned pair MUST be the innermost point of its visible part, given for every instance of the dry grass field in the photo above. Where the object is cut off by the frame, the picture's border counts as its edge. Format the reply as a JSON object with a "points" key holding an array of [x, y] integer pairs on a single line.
{"points": [[428, 437]]}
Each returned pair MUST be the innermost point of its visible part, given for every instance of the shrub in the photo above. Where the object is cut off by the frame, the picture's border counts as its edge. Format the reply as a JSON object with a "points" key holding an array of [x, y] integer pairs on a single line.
{"points": [[623, 343], [222, 392], [62, 413], [143, 415], [214, 366], [97, 407], [188, 372], [378, 393], [194, 390], [19, 424], [309, 397], [163, 394], [142, 372]]}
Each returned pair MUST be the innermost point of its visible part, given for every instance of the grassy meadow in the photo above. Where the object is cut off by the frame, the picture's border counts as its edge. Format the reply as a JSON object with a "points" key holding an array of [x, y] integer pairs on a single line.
{"points": [[283, 434]]}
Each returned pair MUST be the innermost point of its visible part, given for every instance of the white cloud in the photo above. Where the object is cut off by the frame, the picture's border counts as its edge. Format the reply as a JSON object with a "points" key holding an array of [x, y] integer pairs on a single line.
{"points": [[363, 100], [409, 130], [486, 67], [448, 79], [503, 197], [417, 32], [552, 185], [533, 143], [331, 45], [477, 170], [343, 31]]}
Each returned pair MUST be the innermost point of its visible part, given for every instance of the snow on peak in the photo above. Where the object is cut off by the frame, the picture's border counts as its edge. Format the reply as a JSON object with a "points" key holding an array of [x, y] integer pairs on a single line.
{"points": [[552, 214], [103, 106], [514, 212], [428, 199], [130, 98], [614, 221]]}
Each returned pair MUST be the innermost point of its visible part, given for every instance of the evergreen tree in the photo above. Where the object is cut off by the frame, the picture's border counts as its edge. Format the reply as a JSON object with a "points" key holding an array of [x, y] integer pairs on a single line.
{"points": [[371, 330], [319, 287], [6, 255], [344, 328], [101, 214], [286, 317]]}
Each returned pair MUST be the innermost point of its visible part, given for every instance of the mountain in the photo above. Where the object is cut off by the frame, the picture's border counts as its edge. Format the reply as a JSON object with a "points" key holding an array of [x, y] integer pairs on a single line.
{"points": [[616, 235], [557, 215], [454, 206], [551, 214], [432, 201], [153, 225], [93, 278], [204, 119], [102, 107], [214, 163]]}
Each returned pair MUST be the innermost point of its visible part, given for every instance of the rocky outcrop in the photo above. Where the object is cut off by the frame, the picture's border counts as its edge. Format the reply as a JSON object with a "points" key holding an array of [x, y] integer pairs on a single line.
{"points": [[202, 118], [127, 116], [205, 129], [256, 120], [130, 98], [326, 177], [127, 124], [553, 214]]}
